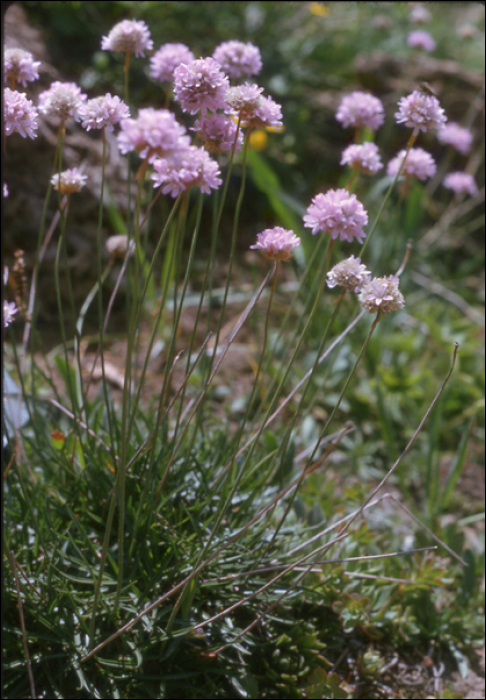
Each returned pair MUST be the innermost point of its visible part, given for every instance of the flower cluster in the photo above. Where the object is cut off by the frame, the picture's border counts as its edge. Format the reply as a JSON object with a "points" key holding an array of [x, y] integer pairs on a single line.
{"points": [[69, 181], [421, 40], [218, 133], [62, 100], [461, 183], [200, 85], [19, 114], [19, 66], [276, 243], [419, 164], [155, 133], [350, 274], [419, 15], [381, 295], [102, 112], [365, 157], [456, 136], [338, 213], [188, 167], [237, 58], [9, 310], [247, 104], [164, 62], [421, 112], [129, 36], [360, 109]]}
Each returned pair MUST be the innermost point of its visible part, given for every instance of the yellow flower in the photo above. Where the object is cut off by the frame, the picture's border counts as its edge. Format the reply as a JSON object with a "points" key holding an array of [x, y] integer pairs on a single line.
{"points": [[317, 8], [258, 139]]}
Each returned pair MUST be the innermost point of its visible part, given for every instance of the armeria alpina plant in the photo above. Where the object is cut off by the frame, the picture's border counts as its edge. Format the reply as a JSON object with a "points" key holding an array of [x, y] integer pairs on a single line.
{"points": [[161, 543]]}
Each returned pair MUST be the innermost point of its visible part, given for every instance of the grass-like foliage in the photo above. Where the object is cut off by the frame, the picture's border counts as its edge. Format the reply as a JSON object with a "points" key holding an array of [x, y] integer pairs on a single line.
{"points": [[253, 486]]}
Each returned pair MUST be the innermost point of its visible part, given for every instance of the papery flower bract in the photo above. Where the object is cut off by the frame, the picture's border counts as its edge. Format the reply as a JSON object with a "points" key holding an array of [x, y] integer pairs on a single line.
{"points": [[117, 245], [338, 213], [419, 164], [421, 112], [154, 133], [360, 109], [5, 189], [164, 61], [350, 274], [9, 310], [102, 112], [419, 15], [237, 58], [189, 167], [200, 85], [218, 133], [461, 183], [365, 157], [130, 36], [19, 114], [71, 180], [381, 295], [456, 136], [277, 243], [61, 100], [20, 66], [421, 40]]}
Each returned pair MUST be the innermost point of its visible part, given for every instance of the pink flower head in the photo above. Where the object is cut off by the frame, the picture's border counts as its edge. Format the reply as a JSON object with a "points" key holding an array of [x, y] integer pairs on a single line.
{"points": [[19, 66], [365, 157], [350, 274], [155, 133], [361, 109], [9, 310], [421, 40], [421, 112], [461, 183], [71, 180], [246, 103], [102, 112], [129, 36], [190, 167], [218, 133], [61, 100], [419, 164], [419, 15], [454, 135], [19, 114], [381, 295], [237, 58], [5, 189], [200, 85], [244, 100], [276, 243], [338, 213], [164, 62]]}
